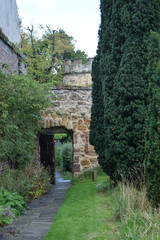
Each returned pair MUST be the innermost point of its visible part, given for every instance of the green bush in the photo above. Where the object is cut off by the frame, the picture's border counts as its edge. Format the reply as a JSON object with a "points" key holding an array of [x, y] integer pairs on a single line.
{"points": [[58, 156], [6, 216], [21, 100], [12, 205], [66, 154], [30, 183]]}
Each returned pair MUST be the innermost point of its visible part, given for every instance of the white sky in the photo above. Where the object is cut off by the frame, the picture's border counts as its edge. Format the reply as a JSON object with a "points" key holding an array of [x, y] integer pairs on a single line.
{"points": [[79, 18]]}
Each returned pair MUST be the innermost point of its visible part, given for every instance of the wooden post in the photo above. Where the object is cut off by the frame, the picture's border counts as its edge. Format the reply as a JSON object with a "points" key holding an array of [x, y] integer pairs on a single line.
{"points": [[54, 161], [94, 175]]}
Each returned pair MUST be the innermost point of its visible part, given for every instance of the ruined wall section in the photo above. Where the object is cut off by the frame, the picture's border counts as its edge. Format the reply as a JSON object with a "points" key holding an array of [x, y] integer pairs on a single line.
{"points": [[72, 110], [76, 73]]}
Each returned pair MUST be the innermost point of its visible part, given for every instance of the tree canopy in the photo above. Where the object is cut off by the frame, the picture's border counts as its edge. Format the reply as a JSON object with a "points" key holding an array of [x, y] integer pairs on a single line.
{"points": [[44, 55]]}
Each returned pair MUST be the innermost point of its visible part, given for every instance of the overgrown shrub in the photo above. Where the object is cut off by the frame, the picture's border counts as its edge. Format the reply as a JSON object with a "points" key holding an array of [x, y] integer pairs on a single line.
{"points": [[66, 154], [6, 216], [39, 179], [21, 100], [32, 182], [58, 156]]}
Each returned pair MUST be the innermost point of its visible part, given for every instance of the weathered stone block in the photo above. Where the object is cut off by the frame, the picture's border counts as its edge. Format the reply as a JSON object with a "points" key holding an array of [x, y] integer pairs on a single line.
{"points": [[64, 121], [76, 150], [85, 162], [72, 110], [75, 97], [74, 127], [82, 128], [74, 117], [56, 104], [52, 123], [80, 121], [76, 159], [87, 122], [48, 123], [69, 125], [93, 159], [62, 111], [63, 97], [76, 167]]}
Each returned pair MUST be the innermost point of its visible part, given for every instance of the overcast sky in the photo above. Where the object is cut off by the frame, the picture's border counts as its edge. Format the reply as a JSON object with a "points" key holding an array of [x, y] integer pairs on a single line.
{"points": [[79, 18]]}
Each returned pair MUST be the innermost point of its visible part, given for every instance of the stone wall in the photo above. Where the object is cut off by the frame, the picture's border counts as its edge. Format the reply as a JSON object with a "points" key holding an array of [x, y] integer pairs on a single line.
{"points": [[72, 110], [76, 73]]}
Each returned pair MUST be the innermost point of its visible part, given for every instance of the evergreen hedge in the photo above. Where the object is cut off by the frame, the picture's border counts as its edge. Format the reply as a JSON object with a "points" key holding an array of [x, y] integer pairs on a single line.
{"points": [[124, 111]]}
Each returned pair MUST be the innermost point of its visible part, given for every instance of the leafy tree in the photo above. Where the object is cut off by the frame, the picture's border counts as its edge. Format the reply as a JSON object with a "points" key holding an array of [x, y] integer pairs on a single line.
{"points": [[45, 55], [75, 54], [21, 99], [120, 84]]}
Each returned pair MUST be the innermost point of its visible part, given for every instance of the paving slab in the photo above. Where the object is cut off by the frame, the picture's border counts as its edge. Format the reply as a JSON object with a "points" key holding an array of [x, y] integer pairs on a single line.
{"points": [[36, 221]]}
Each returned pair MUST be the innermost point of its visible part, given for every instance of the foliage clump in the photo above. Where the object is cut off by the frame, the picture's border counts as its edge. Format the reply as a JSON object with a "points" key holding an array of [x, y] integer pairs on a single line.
{"points": [[31, 182], [21, 100], [66, 154], [11, 205], [132, 209], [63, 155]]}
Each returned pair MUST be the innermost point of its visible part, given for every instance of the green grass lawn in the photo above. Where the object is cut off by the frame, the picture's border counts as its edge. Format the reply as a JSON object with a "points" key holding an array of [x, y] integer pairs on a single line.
{"points": [[84, 215], [119, 213]]}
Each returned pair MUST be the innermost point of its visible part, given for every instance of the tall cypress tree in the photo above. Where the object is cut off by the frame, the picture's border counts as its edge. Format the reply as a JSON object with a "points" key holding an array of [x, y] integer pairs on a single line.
{"points": [[123, 83], [97, 112], [153, 121]]}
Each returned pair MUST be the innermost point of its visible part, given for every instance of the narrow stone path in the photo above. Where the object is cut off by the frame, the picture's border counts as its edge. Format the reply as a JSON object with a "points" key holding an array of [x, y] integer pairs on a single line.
{"points": [[36, 221]]}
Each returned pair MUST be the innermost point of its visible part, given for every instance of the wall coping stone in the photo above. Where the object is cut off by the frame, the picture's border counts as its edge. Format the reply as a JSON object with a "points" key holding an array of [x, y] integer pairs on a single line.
{"points": [[71, 88], [11, 45]]}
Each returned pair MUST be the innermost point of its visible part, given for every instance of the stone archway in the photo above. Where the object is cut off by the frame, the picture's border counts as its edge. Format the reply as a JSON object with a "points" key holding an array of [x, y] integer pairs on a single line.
{"points": [[72, 110]]}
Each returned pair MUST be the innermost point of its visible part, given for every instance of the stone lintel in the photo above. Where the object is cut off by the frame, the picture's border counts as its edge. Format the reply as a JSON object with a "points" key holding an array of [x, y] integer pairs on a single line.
{"points": [[77, 73]]}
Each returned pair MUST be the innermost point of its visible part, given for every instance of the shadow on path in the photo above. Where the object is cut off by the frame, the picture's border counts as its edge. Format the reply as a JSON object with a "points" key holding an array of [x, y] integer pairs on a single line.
{"points": [[36, 221]]}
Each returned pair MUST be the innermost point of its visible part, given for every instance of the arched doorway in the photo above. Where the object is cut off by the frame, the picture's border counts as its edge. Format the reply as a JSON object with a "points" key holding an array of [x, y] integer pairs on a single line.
{"points": [[47, 148]]}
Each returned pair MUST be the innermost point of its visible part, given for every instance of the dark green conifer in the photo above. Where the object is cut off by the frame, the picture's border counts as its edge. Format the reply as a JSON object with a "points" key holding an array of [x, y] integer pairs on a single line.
{"points": [[119, 76], [153, 121]]}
